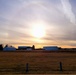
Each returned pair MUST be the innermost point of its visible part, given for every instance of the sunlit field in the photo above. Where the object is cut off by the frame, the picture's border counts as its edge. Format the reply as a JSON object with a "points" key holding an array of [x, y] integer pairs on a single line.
{"points": [[40, 62]]}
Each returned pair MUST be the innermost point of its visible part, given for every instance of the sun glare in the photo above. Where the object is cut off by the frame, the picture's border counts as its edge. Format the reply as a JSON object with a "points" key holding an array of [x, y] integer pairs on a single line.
{"points": [[38, 31]]}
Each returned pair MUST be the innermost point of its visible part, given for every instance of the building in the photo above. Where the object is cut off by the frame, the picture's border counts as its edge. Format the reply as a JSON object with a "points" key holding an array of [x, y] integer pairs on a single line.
{"points": [[9, 49], [24, 48], [50, 48]]}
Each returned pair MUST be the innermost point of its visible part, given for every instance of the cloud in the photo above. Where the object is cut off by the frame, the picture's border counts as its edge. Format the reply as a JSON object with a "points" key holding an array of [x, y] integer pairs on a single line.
{"points": [[67, 9], [16, 21]]}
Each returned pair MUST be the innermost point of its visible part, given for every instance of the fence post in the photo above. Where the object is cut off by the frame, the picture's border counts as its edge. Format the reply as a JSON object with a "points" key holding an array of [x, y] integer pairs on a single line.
{"points": [[61, 69], [27, 68]]}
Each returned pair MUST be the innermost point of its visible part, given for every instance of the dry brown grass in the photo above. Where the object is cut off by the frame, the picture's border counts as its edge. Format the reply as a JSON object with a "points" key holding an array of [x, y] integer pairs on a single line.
{"points": [[39, 62]]}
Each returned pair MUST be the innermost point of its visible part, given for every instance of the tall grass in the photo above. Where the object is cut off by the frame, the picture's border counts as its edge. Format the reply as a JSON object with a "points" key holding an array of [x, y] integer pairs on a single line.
{"points": [[39, 62]]}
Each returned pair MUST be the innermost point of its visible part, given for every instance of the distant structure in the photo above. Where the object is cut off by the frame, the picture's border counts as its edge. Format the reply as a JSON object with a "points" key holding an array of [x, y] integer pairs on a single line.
{"points": [[24, 48], [9, 48], [49, 48]]}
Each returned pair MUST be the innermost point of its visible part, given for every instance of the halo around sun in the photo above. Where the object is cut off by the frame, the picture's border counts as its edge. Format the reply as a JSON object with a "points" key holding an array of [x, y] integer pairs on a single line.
{"points": [[38, 31]]}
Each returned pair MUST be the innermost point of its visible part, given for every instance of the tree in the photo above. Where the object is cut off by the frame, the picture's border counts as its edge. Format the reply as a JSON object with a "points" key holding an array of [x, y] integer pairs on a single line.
{"points": [[1, 47], [6, 45], [33, 47]]}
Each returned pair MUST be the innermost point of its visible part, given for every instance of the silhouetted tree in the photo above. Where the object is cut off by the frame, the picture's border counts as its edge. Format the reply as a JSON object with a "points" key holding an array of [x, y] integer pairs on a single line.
{"points": [[6, 45], [1, 47], [33, 47], [11, 46], [59, 48]]}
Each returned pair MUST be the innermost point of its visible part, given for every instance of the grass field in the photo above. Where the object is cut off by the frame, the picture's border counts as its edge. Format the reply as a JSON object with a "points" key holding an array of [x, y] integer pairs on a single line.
{"points": [[40, 62]]}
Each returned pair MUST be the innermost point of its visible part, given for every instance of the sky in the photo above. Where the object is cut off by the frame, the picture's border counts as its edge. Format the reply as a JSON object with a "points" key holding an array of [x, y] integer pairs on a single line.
{"points": [[38, 22]]}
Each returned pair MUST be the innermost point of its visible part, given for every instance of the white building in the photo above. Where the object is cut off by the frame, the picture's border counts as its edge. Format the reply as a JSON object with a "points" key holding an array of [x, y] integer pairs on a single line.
{"points": [[9, 49], [50, 48], [29, 49]]}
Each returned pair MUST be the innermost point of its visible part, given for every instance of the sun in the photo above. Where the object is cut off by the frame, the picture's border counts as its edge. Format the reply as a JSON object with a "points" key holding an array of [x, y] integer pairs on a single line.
{"points": [[38, 31]]}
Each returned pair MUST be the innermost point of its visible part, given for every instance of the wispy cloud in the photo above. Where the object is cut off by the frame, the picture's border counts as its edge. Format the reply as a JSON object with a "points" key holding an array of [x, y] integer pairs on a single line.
{"points": [[67, 9], [18, 16]]}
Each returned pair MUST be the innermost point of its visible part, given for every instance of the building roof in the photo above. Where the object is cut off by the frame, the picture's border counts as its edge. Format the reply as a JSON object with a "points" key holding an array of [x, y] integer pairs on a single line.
{"points": [[9, 48]]}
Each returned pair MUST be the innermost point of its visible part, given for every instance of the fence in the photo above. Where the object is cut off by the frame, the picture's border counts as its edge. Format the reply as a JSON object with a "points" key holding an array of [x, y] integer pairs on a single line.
{"points": [[27, 69]]}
